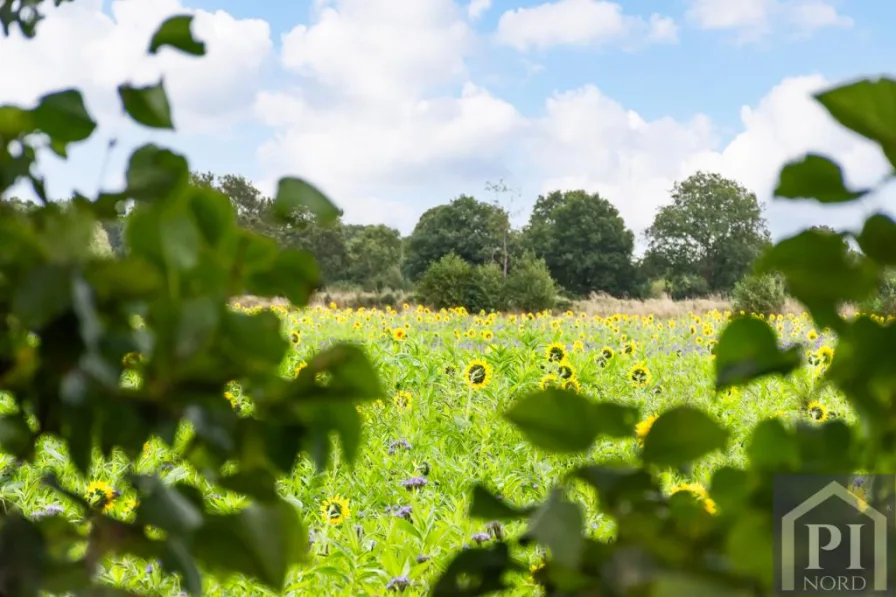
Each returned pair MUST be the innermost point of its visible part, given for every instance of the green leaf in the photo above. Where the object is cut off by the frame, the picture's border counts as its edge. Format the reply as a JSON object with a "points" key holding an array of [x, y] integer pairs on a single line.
{"points": [[815, 177], [258, 483], [560, 420], [682, 435], [175, 33], [294, 275], [176, 557], [294, 193], [214, 214], [615, 420], [773, 448], [155, 173], [63, 117], [617, 485], [353, 377], [15, 122], [254, 341], [747, 349], [730, 488], [16, 437], [262, 541], [165, 507], [180, 240], [819, 268], [147, 105], [679, 585], [45, 294], [125, 278], [750, 546], [878, 239], [489, 507], [557, 525], [867, 107], [476, 571]]}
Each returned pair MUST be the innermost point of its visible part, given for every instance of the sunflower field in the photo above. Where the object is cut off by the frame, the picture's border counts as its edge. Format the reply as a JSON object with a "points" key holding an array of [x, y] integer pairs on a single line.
{"points": [[394, 520]]}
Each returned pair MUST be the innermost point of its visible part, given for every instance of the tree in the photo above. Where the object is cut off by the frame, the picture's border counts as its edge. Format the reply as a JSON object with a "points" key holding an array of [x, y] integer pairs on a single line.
{"points": [[374, 255], [500, 188], [471, 229], [713, 229], [585, 243]]}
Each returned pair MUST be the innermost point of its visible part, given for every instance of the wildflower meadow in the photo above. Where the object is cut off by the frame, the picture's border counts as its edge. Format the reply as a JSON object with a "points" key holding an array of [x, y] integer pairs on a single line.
{"points": [[392, 522]]}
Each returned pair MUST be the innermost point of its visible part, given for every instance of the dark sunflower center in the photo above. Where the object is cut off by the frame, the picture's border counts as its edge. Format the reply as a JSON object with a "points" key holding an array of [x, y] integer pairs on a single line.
{"points": [[565, 372], [477, 374], [557, 354], [334, 511], [639, 375]]}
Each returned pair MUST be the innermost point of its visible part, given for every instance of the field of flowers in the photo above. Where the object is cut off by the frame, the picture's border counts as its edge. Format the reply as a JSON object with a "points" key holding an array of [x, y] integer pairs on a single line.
{"points": [[393, 521]]}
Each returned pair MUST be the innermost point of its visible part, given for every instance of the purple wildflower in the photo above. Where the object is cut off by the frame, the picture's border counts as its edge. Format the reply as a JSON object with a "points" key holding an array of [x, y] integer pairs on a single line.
{"points": [[403, 512], [399, 583], [414, 483], [401, 443], [480, 538]]}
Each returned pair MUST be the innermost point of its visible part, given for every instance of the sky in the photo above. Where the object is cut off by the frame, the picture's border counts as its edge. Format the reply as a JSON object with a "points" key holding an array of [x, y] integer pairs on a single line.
{"points": [[392, 107]]}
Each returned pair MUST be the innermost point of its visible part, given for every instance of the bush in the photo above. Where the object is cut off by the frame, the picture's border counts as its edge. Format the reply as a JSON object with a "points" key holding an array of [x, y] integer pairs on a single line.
{"points": [[688, 287], [452, 282], [884, 301], [529, 286], [759, 294]]}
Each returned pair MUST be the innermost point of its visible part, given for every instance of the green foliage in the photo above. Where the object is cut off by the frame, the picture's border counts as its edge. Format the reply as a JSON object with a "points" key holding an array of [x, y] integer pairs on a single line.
{"points": [[529, 286], [713, 229], [763, 295], [453, 282], [471, 229], [722, 542], [74, 319], [687, 286], [584, 243], [882, 302]]}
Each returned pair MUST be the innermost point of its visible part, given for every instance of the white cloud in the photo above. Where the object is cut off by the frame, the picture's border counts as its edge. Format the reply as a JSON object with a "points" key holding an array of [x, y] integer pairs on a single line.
{"points": [[580, 23], [79, 45], [754, 19], [477, 8]]}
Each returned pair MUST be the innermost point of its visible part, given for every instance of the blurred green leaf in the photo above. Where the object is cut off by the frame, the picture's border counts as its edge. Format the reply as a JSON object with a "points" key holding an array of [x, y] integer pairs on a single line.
{"points": [[668, 444], [127, 277], [63, 116], [45, 294], [180, 240], [293, 275], [254, 341], [16, 437], [155, 173], [353, 377], [165, 507], [294, 193], [563, 421], [747, 349], [730, 488], [489, 507], [63, 577], [262, 541], [558, 525], [175, 33], [801, 258], [773, 448], [15, 122], [617, 485], [176, 557], [214, 214], [257, 483], [878, 239], [147, 105], [815, 177], [750, 547], [476, 571], [22, 553], [867, 107], [680, 585]]}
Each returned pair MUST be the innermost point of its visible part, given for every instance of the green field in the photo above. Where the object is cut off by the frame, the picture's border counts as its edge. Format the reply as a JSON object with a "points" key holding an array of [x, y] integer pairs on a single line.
{"points": [[396, 518]]}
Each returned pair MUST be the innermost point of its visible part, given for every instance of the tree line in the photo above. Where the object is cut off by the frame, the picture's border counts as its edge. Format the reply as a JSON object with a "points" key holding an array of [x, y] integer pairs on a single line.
{"points": [[575, 243]]}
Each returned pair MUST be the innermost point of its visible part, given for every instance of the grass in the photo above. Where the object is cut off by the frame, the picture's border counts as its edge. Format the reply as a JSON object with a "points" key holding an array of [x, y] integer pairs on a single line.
{"points": [[435, 428]]}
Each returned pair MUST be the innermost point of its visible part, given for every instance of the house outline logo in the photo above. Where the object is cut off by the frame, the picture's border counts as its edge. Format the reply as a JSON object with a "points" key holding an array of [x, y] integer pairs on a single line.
{"points": [[831, 490]]}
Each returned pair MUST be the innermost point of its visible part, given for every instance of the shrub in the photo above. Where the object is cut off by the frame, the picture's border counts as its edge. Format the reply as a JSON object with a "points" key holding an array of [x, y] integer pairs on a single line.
{"points": [[688, 287], [529, 286], [453, 282], [759, 294]]}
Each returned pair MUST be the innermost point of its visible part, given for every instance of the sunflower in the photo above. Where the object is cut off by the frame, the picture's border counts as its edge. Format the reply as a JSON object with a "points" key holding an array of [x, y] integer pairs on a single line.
{"points": [[294, 338], [812, 336], [548, 381], [555, 352], [565, 370], [639, 375], [629, 348], [403, 400], [818, 412], [334, 510], [478, 374], [606, 355], [571, 384], [643, 428], [699, 493], [101, 495], [825, 355], [487, 335], [399, 333]]}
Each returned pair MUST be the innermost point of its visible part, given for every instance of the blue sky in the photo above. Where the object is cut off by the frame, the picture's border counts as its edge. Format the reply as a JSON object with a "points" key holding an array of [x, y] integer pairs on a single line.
{"points": [[380, 120]]}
